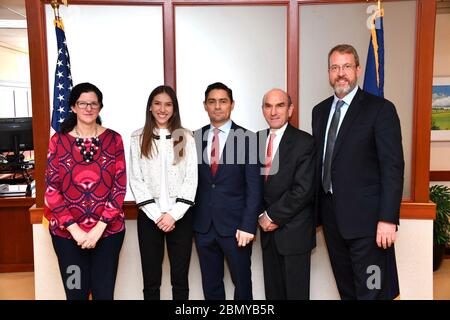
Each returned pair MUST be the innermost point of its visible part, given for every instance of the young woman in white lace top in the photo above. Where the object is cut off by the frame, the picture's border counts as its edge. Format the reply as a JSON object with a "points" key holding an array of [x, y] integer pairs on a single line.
{"points": [[163, 180]]}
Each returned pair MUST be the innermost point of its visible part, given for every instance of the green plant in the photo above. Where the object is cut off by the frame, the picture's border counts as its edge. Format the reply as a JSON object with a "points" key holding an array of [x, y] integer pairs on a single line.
{"points": [[440, 195]]}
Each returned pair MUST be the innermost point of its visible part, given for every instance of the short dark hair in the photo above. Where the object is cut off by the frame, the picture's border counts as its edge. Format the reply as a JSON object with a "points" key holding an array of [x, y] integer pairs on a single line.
{"points": [[83, 88], [219, 86], [71, 121], [344, 48]]}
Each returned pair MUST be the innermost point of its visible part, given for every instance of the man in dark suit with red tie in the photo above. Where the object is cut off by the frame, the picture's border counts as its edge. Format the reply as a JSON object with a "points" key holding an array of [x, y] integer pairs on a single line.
{"points": [[360, 176], [228, 198], [287, 222]]}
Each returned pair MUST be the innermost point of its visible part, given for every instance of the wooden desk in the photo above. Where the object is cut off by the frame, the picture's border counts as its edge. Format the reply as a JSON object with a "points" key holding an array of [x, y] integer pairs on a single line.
{"points": [[16, 234]]}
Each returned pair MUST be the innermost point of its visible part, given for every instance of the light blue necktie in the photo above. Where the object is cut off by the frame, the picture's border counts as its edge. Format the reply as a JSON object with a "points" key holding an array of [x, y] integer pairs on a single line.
{"points": [[331, 139]]}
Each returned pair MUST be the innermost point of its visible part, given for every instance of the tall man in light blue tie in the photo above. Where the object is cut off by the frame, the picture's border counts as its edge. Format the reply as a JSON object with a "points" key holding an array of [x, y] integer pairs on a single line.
{"points": [[360, 177]]}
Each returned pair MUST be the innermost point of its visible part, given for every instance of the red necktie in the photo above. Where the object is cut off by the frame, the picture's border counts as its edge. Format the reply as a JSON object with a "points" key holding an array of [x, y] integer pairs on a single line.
{"points": [[215, 152], [269, 156]]}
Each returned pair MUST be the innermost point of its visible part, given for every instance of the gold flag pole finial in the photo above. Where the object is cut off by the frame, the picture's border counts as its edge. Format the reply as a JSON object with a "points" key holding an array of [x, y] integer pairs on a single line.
{"points": [[55, 5], [378, 3]]}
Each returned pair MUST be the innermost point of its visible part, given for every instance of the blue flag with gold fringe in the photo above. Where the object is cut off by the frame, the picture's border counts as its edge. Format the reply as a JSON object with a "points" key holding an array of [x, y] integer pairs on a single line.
{"points": [[63, 79], [374, 75], [374, 83]]}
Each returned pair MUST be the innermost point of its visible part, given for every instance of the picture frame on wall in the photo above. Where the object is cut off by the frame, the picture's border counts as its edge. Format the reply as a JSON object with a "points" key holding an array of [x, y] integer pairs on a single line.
{"points": [[440, 114]]}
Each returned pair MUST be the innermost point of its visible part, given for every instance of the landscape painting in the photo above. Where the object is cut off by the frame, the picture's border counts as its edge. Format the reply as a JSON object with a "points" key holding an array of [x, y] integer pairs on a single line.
{"points": [[440, 116]]}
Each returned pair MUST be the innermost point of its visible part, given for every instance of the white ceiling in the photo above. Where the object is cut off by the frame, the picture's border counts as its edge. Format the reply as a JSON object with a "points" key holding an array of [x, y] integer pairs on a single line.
{"points": [[13, 11]]}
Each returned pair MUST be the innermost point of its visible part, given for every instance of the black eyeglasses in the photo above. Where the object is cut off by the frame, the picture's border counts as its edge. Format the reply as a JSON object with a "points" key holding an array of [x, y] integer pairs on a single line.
{"points": [[346, 68], [84, 105]]}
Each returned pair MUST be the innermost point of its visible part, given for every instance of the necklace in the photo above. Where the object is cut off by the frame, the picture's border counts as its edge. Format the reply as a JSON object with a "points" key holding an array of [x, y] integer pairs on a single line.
{"points": [[88, 146]]}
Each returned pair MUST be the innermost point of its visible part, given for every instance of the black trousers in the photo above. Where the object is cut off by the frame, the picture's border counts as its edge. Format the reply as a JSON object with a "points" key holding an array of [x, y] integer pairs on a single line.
{"points": [[362, 270], [179, 248], [85, 271], [213, 250], [286, 277]]}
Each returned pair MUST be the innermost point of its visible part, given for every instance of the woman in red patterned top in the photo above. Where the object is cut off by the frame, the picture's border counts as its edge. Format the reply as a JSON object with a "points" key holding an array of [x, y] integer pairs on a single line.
{"points": [[85, 189]]}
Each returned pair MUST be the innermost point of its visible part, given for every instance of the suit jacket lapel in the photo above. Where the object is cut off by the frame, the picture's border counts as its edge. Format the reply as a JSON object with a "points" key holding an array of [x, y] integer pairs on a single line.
{"points": [[352, 112], [204, 143], [323, 127], [201, 151], [262, 141]]}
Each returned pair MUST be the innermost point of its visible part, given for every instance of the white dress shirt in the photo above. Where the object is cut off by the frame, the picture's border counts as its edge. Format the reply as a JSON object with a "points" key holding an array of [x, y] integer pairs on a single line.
{"points": [[276, 141], [224, 130], [164, 202], [275, 144]]}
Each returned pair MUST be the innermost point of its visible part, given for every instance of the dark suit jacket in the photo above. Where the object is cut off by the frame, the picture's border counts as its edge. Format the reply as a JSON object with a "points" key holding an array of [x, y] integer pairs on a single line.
{"points": [[367, 164], [231, 199], [289, 192]]}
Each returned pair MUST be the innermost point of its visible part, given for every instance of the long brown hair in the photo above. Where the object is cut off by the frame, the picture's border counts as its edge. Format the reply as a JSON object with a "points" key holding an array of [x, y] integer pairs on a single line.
{"points": [[148, 147]]}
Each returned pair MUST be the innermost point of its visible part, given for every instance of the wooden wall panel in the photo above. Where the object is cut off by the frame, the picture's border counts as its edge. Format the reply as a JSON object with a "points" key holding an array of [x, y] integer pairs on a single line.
{"points": [[16, 237], [37, 45], [426, 18]]}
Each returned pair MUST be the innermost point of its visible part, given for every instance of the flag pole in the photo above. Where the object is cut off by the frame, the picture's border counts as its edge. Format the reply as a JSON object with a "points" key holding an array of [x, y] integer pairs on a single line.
{"points": [[55, 5], [380, 5], [62, 83]]}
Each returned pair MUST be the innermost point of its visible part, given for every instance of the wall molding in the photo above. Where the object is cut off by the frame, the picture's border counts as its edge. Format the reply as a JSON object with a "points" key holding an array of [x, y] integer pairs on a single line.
{"points": [[439, 175], [408, 210]]}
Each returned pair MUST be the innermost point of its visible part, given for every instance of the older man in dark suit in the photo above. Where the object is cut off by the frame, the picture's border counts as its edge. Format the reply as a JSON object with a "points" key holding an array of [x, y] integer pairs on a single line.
{"points": [[360, 176], [287, 223]]}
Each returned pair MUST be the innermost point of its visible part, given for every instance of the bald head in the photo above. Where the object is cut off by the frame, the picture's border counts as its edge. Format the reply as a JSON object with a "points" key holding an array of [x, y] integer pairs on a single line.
{"points": [[277, 108], [277, 91]]}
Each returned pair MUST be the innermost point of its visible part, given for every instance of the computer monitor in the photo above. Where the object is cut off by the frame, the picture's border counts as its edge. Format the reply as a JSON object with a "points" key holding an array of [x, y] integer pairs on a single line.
{"points": [[16, 135]]}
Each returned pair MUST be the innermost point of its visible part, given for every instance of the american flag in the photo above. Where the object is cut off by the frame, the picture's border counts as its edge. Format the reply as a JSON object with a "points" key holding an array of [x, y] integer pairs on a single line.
{"points": [[63, 79]]}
